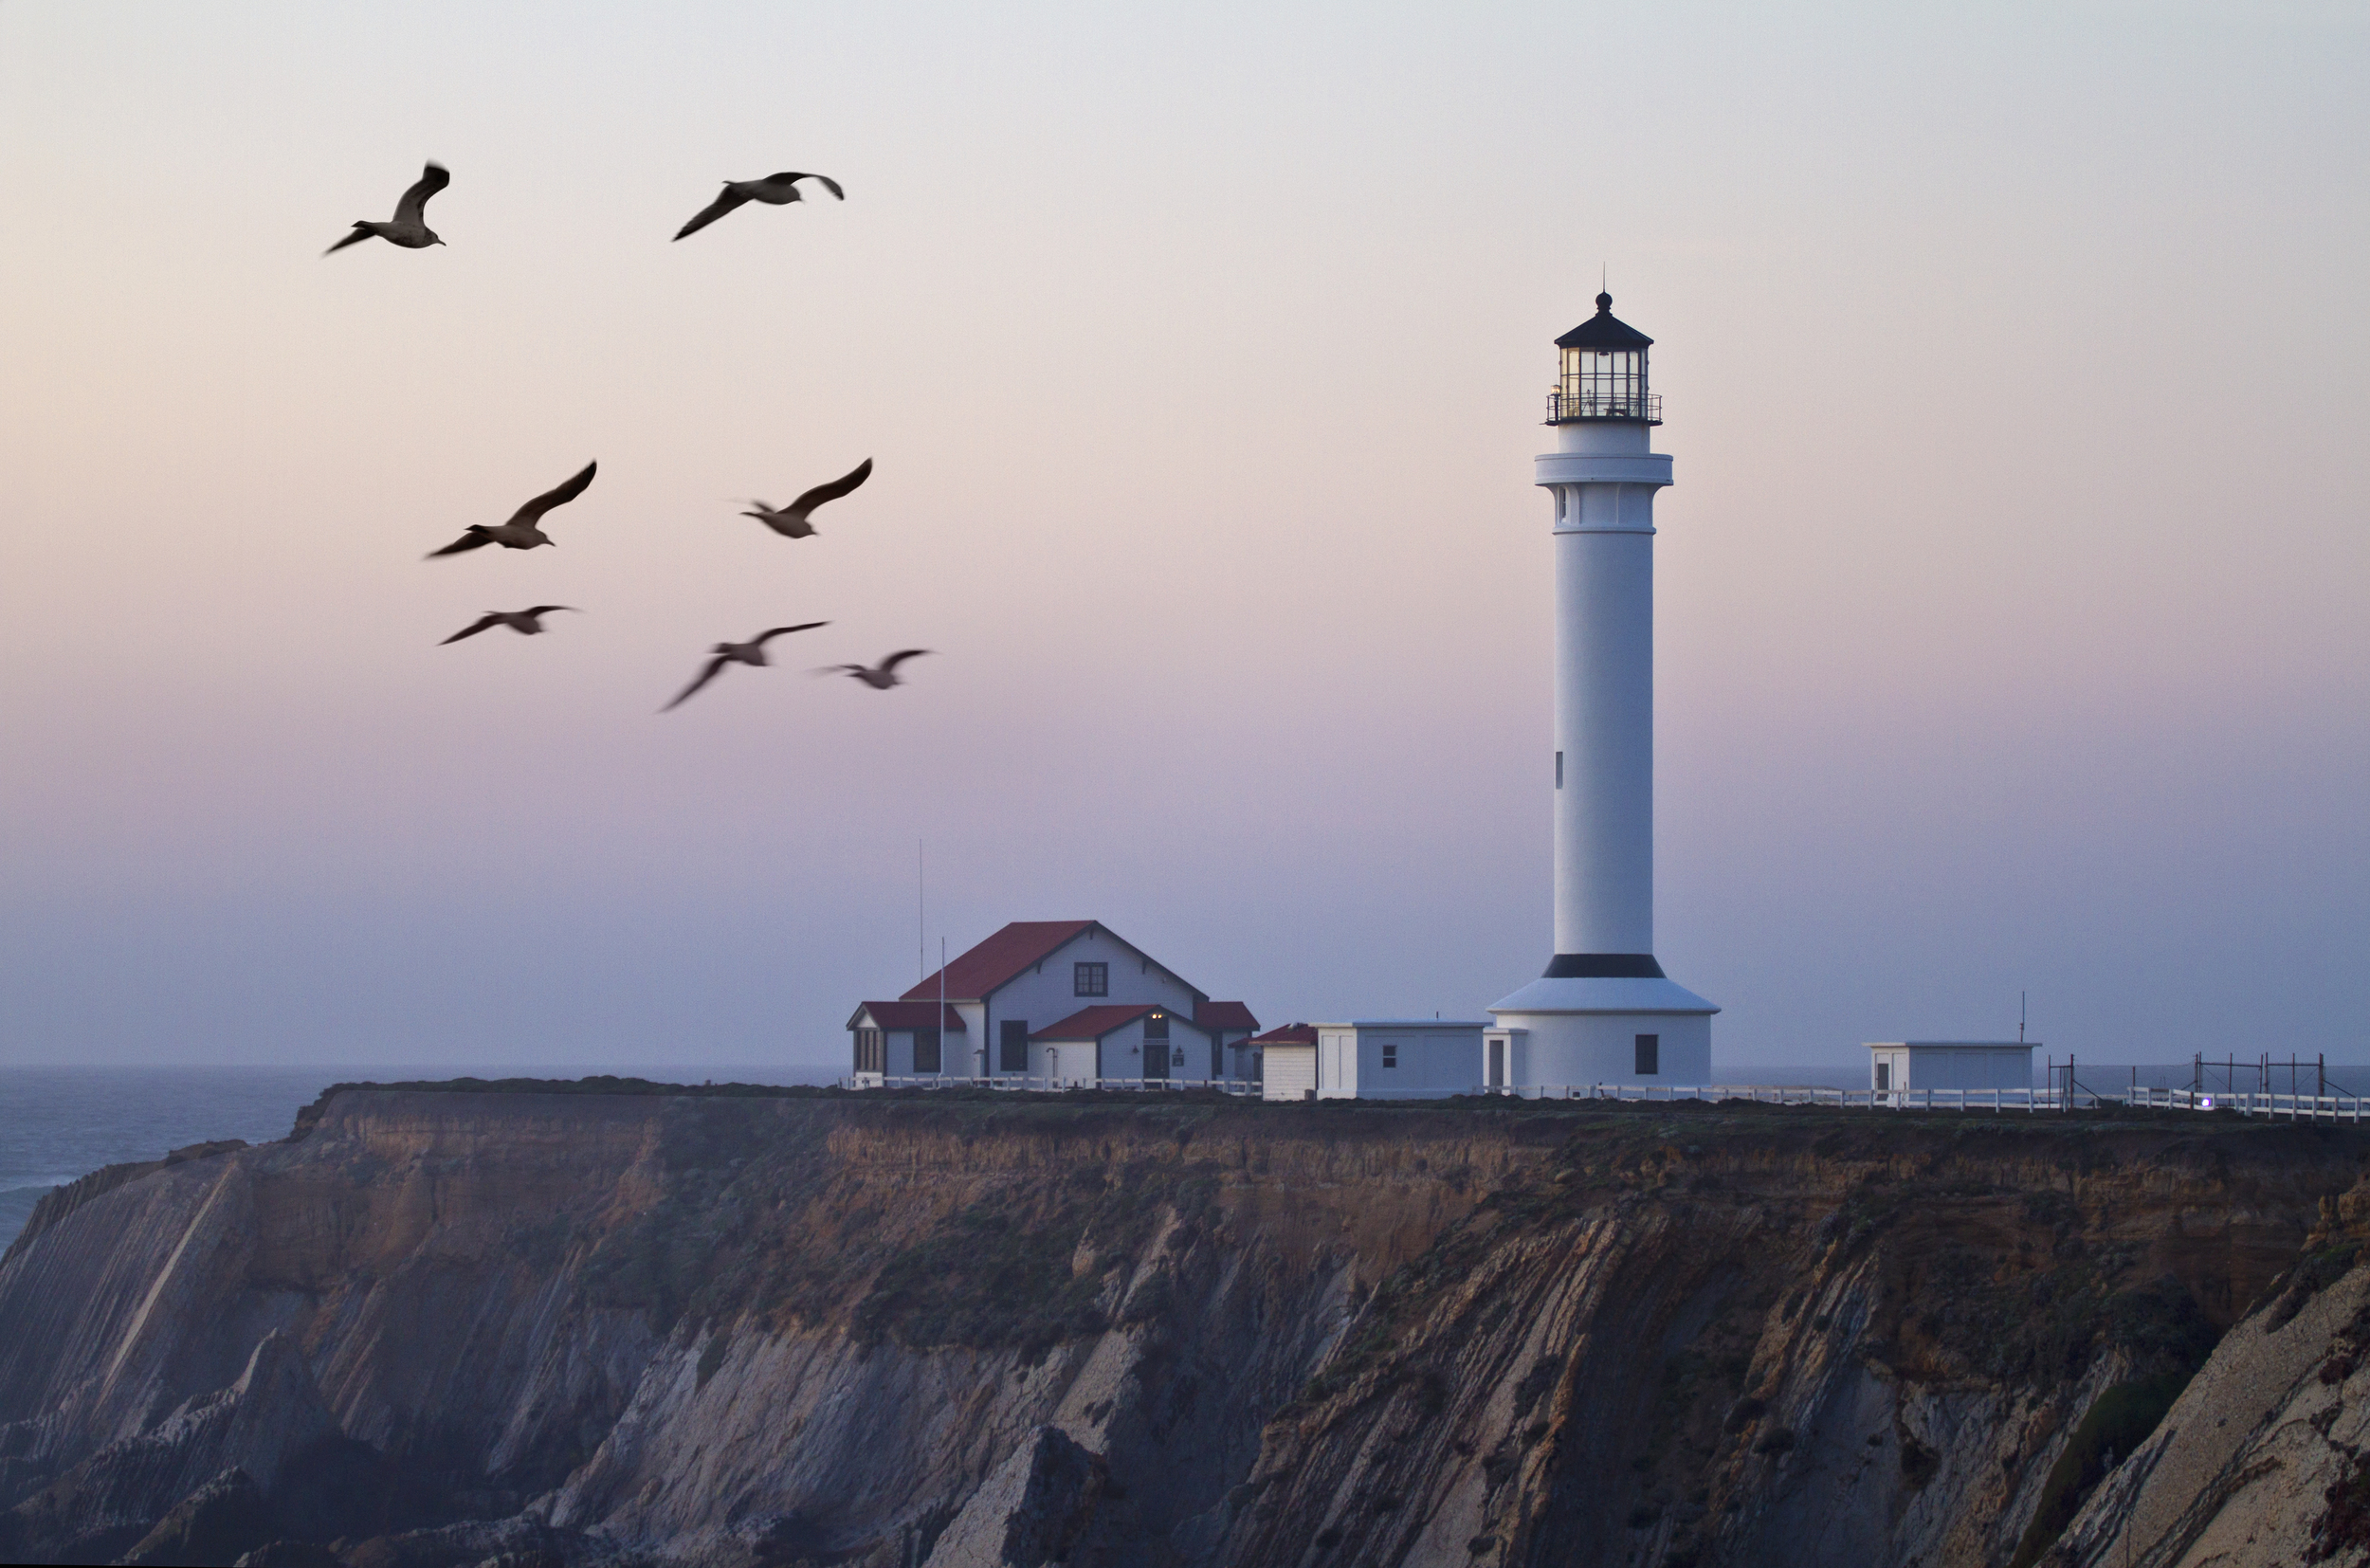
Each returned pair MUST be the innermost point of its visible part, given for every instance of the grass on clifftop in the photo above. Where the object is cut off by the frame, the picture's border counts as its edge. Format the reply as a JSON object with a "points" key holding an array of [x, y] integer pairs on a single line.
{"points": [[1694, 1116]]}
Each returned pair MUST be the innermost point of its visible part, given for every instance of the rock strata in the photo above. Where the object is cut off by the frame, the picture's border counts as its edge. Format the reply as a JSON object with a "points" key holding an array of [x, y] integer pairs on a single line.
{"points": [[445, 1329]]}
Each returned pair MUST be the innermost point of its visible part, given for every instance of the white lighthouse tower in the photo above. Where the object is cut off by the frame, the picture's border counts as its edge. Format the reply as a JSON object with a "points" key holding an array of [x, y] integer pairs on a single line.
{"points": [[1604, 1012]]}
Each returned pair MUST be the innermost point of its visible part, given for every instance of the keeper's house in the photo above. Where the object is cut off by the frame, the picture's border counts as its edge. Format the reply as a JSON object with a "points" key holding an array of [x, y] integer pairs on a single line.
{"points": [[1061, 1002]]}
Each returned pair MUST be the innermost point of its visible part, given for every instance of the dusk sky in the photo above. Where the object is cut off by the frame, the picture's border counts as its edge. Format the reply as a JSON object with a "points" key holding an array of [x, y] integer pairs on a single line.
{"points": [[2014, 594]]}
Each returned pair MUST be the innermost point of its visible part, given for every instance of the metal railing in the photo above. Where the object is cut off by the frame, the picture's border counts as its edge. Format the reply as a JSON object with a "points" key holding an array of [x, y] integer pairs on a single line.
{"points": [[1564, 408]]}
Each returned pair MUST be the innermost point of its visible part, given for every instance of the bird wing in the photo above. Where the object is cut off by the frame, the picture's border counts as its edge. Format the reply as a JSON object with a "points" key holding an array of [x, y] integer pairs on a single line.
{"points": [[832, 492], [533, 510], [476, 539], [413, 207], [829, 184], [705, 676], [547, 608], [713, 210], [491, 619], [889, 665], [361, 232], [765, 637]]}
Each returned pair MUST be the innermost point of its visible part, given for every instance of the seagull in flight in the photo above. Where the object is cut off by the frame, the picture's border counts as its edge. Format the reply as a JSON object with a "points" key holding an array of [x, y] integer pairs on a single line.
{"points": [[775, 190], [750, 652], [878, 677], [791, 521], [410, 228], [528, 622], [521, 532]]}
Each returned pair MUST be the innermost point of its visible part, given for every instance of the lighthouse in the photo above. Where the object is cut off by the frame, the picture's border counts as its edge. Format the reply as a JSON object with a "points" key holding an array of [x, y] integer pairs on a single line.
{"points": [[1604, 1012]]}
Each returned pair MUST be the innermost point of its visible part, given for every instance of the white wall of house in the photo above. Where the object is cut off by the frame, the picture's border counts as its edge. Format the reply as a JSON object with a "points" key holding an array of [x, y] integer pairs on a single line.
{"points": [[954, 1054], [896, 1051], [1123, 1050], [962, 1050], [1047, 992], [1062, 1064], [1290, 1072]]}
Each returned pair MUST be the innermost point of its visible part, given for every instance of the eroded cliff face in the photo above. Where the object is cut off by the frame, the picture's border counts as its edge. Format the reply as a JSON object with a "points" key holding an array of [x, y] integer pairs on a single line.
{"points": [[442, 1326]]}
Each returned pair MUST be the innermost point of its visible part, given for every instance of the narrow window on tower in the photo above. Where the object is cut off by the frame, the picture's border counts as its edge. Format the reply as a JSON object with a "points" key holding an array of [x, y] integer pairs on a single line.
{"points": [[1558, 770], [1649, 1055]]}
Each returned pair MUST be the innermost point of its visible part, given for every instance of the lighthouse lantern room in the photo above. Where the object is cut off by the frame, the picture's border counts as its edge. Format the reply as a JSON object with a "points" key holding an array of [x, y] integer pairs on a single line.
{"points": [[1603, 373], [1604, 1012]]}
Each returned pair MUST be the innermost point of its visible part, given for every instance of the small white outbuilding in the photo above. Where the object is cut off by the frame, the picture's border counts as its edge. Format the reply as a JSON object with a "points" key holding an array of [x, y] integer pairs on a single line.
{"points": [[1399, 1058], [1897, 1064]]}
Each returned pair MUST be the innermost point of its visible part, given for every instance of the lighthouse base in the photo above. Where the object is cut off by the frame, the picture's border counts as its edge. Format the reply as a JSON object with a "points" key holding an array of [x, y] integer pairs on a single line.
{"points": [[1574, 1033]]}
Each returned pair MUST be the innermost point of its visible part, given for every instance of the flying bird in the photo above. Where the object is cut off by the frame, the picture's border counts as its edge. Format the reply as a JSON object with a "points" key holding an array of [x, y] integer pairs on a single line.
{"points": [[791, 521], [775, 190], [410, 228], [750, 652], [521, 532], [527, 622], [878, 677]]}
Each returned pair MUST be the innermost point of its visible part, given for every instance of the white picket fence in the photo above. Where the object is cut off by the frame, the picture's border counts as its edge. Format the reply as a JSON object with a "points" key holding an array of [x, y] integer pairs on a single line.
{"points": [[2300, 1107]]}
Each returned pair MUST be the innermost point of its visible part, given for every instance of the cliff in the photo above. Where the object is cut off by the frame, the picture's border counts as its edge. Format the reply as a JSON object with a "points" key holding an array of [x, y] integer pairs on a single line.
{"points": [[448, 1327]]}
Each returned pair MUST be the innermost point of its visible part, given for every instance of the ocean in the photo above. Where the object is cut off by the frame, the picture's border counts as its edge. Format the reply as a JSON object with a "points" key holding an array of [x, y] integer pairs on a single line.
{"points": [[57, 1124]]}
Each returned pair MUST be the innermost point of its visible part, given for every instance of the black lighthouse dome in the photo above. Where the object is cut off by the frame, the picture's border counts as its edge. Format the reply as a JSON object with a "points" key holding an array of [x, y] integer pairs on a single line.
{"points": [[1602, 373]]}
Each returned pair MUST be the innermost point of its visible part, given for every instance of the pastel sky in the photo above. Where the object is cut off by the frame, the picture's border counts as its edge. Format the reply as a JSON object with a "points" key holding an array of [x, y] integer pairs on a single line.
{"points": [[2014, 594]]}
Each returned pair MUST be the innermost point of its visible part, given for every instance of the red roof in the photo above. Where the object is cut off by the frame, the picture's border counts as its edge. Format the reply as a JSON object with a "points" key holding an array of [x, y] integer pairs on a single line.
{"points": [[981, 972], [1094, 1022], [1223, 1015], [1290, 1035], [907, 1015]]}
